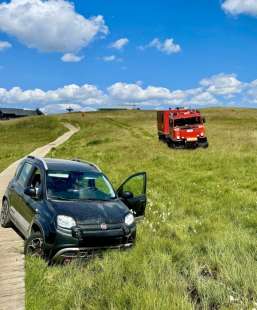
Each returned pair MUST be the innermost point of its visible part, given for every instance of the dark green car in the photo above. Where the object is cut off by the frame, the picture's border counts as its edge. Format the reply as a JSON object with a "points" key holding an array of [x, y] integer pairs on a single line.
{"points": [[68, 208]]}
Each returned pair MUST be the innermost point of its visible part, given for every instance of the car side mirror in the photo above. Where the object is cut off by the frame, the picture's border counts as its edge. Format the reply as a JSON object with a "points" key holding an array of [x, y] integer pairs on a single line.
{"points": [[127, 195], [204, 120], [31, 192]]}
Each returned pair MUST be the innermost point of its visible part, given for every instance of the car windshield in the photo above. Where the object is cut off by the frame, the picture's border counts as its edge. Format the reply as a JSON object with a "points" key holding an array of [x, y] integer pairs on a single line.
{"points": [[187, 121], [73, 185]]}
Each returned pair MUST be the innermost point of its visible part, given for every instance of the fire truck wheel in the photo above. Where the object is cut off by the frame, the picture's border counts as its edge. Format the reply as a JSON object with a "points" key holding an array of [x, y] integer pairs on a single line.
{"points": [[204, 145], [162, 138], [171, 144]]}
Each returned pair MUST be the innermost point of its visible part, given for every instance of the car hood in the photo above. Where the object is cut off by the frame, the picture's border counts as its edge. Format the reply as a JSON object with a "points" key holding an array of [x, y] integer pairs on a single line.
{"points": [[89, 212]]}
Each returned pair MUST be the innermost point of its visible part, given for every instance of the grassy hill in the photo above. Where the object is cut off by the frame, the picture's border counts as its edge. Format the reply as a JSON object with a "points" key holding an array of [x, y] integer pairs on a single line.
{"points": [[21, 136], [197, 247]]}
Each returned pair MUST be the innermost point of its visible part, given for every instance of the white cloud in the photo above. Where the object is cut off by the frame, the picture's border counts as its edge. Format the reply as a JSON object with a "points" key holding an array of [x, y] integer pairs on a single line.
{"points": [[111, 58], [156, 96], [215, 90], [4, 45], [69, 57], [49, 26], [82, 95], [134, 92], [167, 46], [62, 108], [204, 98], [251, 93], [222, 84], [119, 44], [236, 7]]}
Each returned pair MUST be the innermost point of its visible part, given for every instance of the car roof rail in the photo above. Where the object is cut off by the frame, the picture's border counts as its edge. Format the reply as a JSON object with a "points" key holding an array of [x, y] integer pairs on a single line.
{"points": [[39, 159], [87, 162]]}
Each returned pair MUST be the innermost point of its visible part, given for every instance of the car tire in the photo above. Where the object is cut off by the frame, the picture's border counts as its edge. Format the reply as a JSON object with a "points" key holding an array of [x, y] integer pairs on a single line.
{"points": [[35, 245], [5, 214]]}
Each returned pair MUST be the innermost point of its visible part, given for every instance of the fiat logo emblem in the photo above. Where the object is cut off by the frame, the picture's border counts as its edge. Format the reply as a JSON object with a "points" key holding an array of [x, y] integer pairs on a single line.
{"points": [[103, 226]]}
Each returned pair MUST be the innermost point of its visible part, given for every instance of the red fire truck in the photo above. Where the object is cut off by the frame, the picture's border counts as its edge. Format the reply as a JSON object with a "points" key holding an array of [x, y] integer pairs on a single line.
{"points": [[181, 128]]}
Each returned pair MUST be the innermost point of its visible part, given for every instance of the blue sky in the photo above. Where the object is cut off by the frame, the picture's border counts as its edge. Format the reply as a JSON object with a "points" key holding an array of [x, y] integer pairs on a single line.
{"points": [[152, 54]]}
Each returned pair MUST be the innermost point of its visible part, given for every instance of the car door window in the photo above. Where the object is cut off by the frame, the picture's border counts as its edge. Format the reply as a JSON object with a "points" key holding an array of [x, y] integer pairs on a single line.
{"points": [[133, 193], [136, 185], [24, 174]]}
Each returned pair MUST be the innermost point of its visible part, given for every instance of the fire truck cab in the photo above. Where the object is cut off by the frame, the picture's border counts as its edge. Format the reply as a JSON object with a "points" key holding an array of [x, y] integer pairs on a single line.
{"points": [[181, 128]]}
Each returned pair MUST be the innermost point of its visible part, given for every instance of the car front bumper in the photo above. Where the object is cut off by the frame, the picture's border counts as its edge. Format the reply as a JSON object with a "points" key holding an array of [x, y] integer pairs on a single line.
{"points": [[68, 254], [84, 244]]}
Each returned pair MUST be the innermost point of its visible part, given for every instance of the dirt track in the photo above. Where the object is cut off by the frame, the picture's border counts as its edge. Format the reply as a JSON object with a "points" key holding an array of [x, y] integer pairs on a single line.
{"points": [[12, 287]]}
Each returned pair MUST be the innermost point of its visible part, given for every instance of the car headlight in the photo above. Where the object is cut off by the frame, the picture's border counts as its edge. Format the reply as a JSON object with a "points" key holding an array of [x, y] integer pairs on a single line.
{"points": [[129, 219], [65, 221]]}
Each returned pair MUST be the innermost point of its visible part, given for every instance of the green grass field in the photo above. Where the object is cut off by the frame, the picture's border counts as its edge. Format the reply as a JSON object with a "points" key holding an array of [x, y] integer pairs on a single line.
{"points": [[21, 136], [196, 248]]}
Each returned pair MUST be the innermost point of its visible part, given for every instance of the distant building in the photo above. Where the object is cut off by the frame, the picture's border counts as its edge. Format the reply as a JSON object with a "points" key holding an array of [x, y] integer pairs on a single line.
{"points": [[8, 113]]}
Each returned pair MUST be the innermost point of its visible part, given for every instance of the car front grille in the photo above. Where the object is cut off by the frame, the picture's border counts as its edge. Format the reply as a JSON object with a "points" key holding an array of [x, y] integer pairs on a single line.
{"points": [[97, 227], [94, 235], [102, 241]]}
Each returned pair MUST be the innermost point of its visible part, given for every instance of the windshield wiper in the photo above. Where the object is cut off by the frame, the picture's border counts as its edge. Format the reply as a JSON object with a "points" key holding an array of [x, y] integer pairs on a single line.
{"points": [[60, 198], [96, 199], [80, 199]]}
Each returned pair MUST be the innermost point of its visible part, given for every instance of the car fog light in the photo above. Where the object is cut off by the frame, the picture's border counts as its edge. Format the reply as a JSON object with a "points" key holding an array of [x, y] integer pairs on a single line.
{"points": [[129, 219]]}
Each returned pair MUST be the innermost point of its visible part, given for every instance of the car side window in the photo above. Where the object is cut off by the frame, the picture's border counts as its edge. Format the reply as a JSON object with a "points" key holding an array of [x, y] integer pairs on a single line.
{"points": [[24, 174], [18, 170], [36, 179]]}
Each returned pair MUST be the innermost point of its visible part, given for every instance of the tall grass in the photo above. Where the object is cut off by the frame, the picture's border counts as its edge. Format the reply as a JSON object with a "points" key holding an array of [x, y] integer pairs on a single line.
{"points": [[196, 248]]}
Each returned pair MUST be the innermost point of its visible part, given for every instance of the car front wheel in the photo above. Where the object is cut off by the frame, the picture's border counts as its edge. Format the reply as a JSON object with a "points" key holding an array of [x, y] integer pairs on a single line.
{"points": [[5, 220], [34, 245]]}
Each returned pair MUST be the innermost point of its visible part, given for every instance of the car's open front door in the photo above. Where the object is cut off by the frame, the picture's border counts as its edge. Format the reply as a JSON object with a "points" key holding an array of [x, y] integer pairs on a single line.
{"points": [[133, 193]]}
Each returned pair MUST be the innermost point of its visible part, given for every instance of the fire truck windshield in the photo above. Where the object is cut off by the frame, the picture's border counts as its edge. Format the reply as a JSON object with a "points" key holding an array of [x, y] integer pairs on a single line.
{"points": [[187, 121]]}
